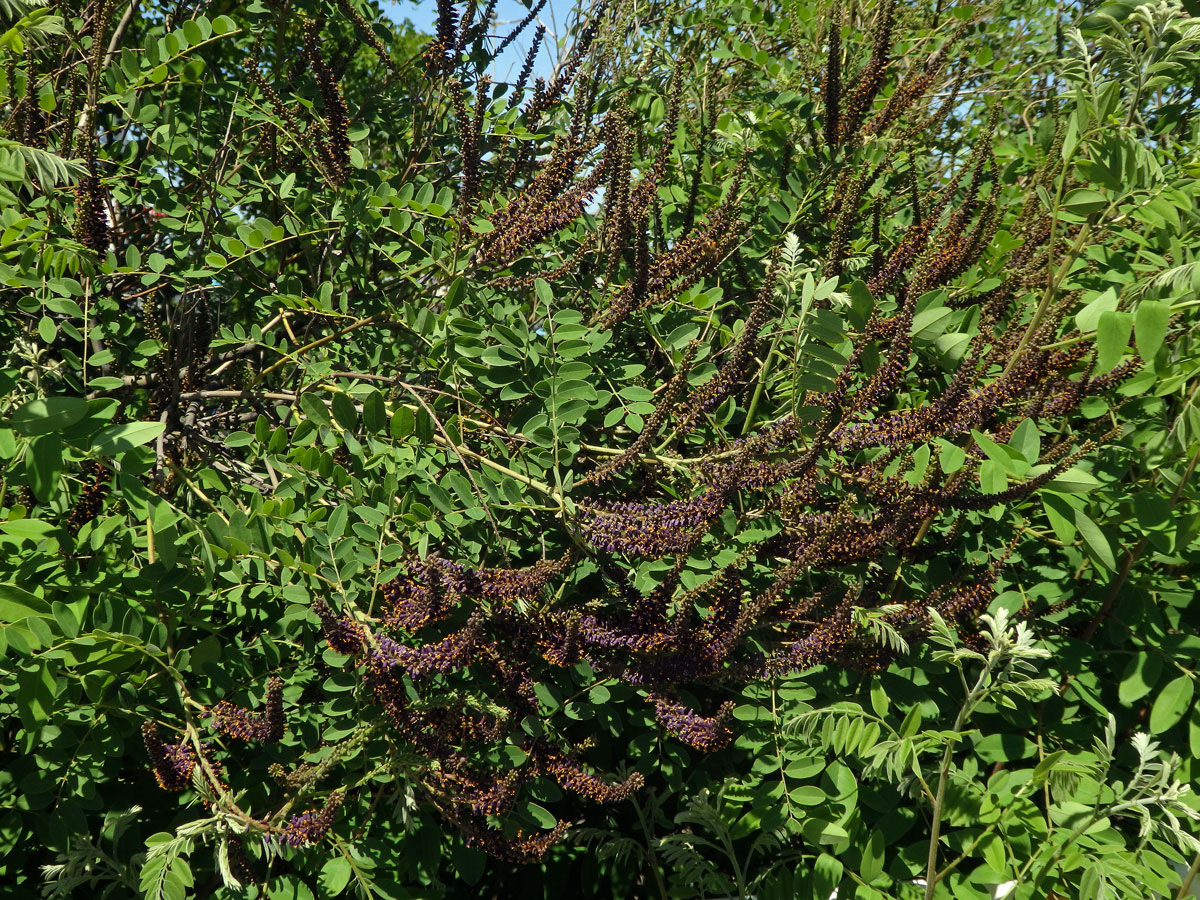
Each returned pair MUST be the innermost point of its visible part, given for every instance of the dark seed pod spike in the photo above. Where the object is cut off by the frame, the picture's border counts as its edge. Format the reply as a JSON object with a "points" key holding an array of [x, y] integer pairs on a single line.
{"points": [[368, 34], [521, 26], [440, 53], [518, 90], [833, 77], [870, 80], [334, 145]]}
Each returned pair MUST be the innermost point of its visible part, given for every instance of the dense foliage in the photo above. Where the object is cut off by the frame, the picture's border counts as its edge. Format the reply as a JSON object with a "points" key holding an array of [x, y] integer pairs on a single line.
{"points": [[755, 459]]}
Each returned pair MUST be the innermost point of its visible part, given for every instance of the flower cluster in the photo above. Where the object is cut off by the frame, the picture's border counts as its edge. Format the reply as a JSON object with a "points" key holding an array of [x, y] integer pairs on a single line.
{"points": [[173, 766], [649, 529], [824, 641], [913, 87], [695, 730], [684, 264], [470, 132], [566, 71], [652, 425], [521, 26], [522, 848], [535, 47], [439, 54], [870, 80], [550, 204], [483, 798], [311, 826], [571, 776], [831, 87], [266, 726], [451, 652], [343, 635], [717, 388]]}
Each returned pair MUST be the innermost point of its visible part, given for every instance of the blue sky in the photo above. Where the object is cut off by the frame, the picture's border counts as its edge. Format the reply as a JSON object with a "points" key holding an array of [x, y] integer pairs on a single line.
{"points": [[423, 14]]}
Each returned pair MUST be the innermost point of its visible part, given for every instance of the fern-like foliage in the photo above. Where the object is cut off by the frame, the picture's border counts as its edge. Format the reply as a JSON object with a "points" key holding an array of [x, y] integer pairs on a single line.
{"points": [[609, 844], [89, 865], [34, 24], [873, 622], [1181, 279], [846, 729], [22, 164], [11, 10], [166, 873]]}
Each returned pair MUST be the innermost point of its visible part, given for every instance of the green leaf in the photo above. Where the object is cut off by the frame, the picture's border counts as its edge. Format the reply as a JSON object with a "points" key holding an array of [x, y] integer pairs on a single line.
{"points": [[1088, 317], [47, 330], [992, 478], [1061, 515], [541, 815], [66, 619], [45, 457], [1194, 731], [827, 875], [27, 529], [950, 456], [403, 423], [374, 412], [314, 407], [17, 604], [1084, 201], [1027, 441], [1150, 321], [807, 795], [344, 412], [116, 439], [1075, 481], [47, 414], [1171, 704], [874, 856], [1140, 676], [335, 875], [818, 831], [1095, 541], [1112, 337], [1012, 461], [911, 724], [36, 692], [1048, 764], [992, 848], [1004, 748]]}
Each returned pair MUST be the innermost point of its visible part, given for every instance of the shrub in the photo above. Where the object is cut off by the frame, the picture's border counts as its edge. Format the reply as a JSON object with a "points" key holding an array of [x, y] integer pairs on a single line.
{"points": [[403, 466]]}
